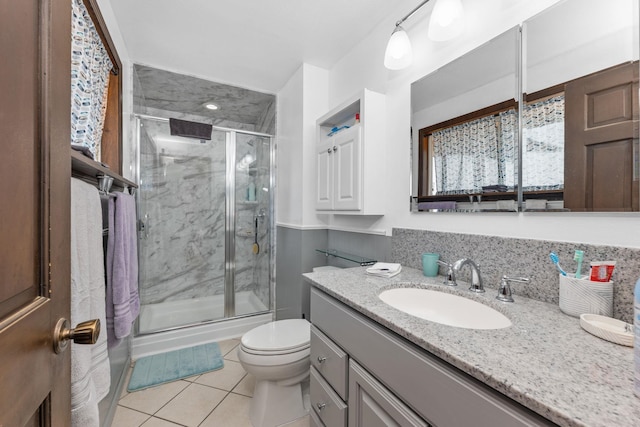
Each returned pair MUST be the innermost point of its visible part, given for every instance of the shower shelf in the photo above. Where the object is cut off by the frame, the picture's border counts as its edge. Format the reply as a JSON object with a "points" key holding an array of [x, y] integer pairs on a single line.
{"points": [[347, 256], [245, 232]]}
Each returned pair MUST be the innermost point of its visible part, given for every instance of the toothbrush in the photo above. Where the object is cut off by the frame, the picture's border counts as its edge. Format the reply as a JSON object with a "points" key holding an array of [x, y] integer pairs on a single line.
{"points": [[578, 257], [554, 259]]}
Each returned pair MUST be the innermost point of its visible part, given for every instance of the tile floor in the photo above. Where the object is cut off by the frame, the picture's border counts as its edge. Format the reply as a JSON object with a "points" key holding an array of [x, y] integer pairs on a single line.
{"points": [[215, 399]]}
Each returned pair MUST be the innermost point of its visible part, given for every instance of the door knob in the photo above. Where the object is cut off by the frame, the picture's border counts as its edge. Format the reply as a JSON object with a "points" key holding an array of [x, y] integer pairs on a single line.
{"points": [[84, 333]]}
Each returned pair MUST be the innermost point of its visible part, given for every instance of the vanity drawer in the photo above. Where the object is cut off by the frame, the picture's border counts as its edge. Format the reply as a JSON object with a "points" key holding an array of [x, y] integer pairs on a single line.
{"points": [[330, 361], [326, 403], [314, 421]]}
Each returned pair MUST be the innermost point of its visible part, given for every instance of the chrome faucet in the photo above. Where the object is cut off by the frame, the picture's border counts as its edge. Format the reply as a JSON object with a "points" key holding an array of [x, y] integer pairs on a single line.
{"points": [[504, 292], [476, 278]]}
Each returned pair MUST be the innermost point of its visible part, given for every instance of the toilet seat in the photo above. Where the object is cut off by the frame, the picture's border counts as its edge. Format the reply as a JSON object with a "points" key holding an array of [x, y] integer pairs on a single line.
{"points": [[279, 337]]}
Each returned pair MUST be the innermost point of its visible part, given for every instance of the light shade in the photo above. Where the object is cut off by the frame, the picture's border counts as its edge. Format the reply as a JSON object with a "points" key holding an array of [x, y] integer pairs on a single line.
{"points": [[447, 20], [399, 54]]}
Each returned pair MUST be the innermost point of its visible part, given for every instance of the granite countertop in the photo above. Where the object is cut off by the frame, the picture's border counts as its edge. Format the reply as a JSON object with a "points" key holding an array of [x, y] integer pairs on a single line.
{"points": [[545, 360]]}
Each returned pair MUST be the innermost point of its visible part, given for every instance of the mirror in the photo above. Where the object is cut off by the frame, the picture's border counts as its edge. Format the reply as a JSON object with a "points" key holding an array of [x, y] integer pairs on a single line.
{"points": [[580, 115], [566, 51], [464, 131]]}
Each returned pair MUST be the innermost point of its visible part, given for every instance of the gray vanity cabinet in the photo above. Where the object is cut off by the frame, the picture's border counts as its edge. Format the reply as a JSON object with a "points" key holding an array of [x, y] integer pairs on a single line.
{"points": [[394, 382], [372, 405], [327, 405], [330, 361], [329, 365]]}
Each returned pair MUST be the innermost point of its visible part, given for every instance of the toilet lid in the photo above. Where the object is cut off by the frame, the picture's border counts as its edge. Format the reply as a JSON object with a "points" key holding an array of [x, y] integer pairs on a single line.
{"points": [[281, 335]]}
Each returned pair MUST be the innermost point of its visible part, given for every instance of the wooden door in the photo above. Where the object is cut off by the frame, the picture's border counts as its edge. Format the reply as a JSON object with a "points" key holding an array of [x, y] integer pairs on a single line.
{"points": [[601, 132], [34, 210]]}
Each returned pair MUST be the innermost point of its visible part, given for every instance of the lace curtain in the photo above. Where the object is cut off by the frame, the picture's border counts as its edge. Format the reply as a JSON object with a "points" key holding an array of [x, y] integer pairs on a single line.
{"points": [[90, 67], [543, 135], [475, 154]]}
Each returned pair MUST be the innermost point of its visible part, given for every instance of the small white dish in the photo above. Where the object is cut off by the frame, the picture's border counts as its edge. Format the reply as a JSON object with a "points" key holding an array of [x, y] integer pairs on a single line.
{"points": [[607, 328]]}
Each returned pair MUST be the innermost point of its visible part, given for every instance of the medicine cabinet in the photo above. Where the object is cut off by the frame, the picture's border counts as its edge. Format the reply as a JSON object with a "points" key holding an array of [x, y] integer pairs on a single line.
{"points": [[350, 157]]}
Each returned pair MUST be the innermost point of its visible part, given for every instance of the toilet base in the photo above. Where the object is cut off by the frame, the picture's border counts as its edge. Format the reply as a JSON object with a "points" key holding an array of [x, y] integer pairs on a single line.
{"points": [[274, 404]]}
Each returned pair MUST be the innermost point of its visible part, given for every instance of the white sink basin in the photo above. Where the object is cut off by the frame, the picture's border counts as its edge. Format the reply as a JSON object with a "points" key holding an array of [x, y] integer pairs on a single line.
{"points": [[448, 309]]}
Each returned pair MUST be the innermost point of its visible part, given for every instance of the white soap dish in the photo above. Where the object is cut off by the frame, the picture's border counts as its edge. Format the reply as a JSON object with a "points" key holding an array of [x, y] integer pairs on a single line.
{"points": [[608, 328]]}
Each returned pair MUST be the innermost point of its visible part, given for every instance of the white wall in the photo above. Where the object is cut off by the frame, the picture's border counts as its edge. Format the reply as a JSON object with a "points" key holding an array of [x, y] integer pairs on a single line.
{"points": [[363, 67], [300, 102], [289, 151]]}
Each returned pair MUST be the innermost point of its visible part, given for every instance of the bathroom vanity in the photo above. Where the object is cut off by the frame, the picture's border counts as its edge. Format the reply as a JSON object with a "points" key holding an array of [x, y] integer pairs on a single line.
{"points": [[375, 365]]}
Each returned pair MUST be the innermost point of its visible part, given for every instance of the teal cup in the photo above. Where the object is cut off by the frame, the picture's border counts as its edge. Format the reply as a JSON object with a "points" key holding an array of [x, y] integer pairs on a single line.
{"points": [[430, 264]]}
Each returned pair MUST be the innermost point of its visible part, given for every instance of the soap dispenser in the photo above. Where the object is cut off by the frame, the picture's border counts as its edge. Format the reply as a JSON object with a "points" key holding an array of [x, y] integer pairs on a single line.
{"points": [[251, 192]]}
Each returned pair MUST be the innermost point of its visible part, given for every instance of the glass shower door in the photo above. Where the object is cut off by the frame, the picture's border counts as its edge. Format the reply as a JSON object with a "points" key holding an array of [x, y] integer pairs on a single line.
{"points": [[182, 211], [204, 235], [252, 281]]}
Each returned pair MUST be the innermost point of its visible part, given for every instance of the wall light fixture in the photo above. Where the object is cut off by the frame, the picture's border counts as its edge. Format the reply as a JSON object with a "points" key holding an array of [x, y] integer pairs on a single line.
{"points": [[447, 22]]}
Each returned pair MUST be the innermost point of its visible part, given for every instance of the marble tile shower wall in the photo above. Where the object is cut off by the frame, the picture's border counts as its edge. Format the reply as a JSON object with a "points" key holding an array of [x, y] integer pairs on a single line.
{"points": [[155, 112], [183, 195], [183, 251], [520, 257]]}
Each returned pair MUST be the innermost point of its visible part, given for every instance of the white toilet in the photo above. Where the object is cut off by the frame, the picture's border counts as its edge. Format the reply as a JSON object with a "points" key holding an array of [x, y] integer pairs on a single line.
{"points": [[277, 355]]}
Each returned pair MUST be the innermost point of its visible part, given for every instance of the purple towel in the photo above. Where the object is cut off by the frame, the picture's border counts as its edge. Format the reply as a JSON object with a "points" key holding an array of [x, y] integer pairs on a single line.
{"points": [[123, 303]]}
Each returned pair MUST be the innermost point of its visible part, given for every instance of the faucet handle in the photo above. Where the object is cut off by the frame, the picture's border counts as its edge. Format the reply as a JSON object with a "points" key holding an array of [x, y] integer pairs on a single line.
{"points": [[504, 291], [450, 277]]}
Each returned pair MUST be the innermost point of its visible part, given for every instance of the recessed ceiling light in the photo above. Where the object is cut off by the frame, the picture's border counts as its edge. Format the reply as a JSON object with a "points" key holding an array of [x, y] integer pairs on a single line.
{"points": [[211, 106]]}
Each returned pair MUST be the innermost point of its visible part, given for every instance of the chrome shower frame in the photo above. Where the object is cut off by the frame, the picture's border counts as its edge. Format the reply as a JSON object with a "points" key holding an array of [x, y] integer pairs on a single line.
{"points": [[230, 220]]}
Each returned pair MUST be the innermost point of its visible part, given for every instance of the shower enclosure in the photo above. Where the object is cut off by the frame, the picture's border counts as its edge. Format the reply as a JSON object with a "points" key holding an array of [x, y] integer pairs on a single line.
{"points": [[205, 212]]}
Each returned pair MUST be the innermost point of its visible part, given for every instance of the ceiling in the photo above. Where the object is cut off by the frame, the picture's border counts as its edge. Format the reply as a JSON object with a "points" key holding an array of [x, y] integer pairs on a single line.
{"points": [[256, 44], [167, 91]]}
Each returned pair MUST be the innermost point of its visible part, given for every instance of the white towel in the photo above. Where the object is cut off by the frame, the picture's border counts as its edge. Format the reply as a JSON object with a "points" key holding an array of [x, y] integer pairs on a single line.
{"points": [[90, 370], [384, 269]]}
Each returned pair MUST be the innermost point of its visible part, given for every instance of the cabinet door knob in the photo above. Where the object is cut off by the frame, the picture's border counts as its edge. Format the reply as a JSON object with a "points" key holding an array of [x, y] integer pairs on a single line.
{"points": [[335, 148], [320, 406], [329, 150], [321, 359]]}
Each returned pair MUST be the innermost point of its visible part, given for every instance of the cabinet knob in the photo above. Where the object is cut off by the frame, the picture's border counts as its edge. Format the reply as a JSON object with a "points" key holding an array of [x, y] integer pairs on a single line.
{"points": [[321, 359], [335, 148], [320, 406], [329, 150]]}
